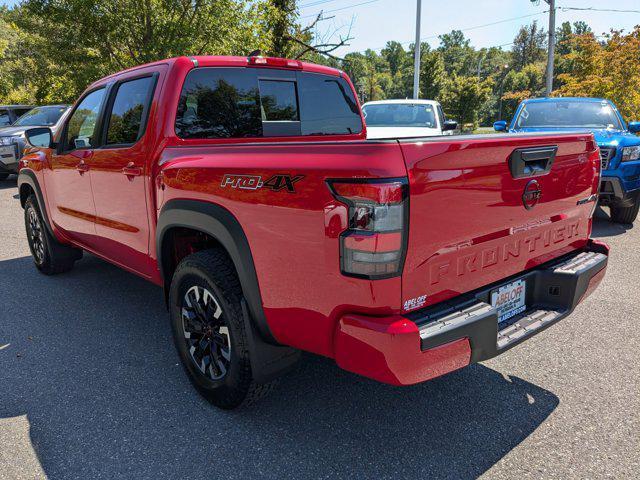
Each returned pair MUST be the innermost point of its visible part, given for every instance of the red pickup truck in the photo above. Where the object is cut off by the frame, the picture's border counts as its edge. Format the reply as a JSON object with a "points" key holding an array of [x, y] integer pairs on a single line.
{"points": [[247, 189]]}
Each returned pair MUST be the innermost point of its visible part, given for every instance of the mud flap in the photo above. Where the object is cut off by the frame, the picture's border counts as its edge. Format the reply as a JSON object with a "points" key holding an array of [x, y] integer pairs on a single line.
{"points": [[268, 361]]}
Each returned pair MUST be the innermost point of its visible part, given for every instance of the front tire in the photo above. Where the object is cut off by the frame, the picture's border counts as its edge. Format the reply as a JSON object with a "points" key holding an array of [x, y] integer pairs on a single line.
{"points": [[50, 256], [209, 330], [626, 215]]}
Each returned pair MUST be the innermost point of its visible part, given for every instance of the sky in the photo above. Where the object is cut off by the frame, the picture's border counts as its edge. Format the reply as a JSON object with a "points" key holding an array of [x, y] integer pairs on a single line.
{"points": [[373, 22]]}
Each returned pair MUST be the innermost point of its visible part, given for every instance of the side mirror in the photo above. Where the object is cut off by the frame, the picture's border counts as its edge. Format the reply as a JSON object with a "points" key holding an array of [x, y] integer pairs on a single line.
{"points": [[40, 137], [449, 125], [500, 126], [81, 142], [634, 127]]}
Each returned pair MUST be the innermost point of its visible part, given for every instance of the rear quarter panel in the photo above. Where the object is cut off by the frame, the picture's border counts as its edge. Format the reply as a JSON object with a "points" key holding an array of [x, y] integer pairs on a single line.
{"points": [[293, 236]]}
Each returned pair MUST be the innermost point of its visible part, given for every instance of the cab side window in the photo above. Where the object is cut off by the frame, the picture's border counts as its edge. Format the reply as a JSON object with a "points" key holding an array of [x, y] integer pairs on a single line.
{"points": [[81, 129], [129, 112], [219, 103]]}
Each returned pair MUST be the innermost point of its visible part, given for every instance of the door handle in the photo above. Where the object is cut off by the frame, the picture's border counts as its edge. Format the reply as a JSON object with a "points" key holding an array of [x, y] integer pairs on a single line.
{"points": [[132, 171], [532, 162], [82, 167]]}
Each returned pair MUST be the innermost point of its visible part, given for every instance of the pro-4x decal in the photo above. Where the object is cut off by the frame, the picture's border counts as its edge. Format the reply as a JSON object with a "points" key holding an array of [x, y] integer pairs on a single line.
{"points": [[282, 182], [276, 182]]}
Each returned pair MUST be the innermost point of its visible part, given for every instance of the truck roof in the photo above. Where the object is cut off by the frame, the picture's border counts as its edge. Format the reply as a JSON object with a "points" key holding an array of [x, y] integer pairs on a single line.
{"points": [[565, 99], [414, 101], [220, 61]]}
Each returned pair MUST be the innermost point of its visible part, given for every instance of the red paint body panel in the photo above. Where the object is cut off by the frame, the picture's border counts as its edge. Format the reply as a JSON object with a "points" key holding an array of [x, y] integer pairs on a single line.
{"points": [[465, 212], [293, 237], [468, 225], [388, 350]]}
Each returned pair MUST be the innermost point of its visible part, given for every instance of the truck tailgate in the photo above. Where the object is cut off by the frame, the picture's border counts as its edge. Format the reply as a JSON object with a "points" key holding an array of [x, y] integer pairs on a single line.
{"points": [[484, 208]]}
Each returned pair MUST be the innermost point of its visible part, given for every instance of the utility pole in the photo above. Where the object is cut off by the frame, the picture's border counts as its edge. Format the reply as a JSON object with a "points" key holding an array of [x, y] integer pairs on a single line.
{"points": [[416, 53], [552, 45], [504, 77]]}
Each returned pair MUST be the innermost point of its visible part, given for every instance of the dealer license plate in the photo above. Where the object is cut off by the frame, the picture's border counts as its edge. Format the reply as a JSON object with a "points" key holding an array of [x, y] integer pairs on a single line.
{"points": [[509, 300]]}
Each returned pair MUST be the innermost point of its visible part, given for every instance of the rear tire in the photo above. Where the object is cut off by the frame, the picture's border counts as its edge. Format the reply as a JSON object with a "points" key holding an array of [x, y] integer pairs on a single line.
{"points": [[50, 256], [209, 330], [626, 214]]}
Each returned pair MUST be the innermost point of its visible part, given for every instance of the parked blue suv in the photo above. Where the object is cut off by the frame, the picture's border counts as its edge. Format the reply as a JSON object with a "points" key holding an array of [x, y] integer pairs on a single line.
{"points": [[619, 146]]}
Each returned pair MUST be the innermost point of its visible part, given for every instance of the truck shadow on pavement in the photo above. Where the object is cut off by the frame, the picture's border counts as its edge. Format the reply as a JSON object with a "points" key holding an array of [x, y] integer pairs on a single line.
{"points": [[603, 226], [10, 182], [91, 364]]}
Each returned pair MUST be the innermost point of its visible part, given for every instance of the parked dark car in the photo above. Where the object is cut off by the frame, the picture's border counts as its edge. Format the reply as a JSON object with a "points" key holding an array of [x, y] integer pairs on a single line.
{"points": [[10, 113], [13, 139]]}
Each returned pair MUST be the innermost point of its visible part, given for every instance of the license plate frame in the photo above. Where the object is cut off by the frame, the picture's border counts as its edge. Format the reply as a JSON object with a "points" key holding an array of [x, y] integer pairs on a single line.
{"points": [[509, 299]]}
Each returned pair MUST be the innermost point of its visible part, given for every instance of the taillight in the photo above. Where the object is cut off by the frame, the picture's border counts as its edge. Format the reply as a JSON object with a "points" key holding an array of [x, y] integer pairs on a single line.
{"points": [[258, 61], [373, 246]]}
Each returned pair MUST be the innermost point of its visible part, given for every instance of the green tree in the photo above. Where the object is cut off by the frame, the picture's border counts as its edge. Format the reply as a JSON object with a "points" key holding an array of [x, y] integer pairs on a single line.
{"points": [[433, 74], [520, 85], [463, 98], [565, 33], [457, 53], [399, 64], [529, 46], [66, 44], [397, 58]]}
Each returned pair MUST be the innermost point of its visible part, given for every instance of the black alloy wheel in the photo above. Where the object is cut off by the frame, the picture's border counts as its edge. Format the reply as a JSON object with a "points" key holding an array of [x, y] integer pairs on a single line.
{"points": [[206, 333], [36, 236]]}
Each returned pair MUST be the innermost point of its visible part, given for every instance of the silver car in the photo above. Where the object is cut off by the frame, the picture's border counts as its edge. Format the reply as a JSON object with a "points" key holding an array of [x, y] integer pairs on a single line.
{"points": [[12, 138]]}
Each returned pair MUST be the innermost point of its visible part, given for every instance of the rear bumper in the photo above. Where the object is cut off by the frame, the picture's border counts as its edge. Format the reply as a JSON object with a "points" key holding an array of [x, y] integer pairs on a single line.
{"points": [[403, 350]]}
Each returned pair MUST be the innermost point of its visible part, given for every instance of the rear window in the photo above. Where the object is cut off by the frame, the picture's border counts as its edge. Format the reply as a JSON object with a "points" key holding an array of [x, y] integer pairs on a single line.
{"points": [[568, 114], [400, 115], [41, 116], [279, 101], [246, 102]]}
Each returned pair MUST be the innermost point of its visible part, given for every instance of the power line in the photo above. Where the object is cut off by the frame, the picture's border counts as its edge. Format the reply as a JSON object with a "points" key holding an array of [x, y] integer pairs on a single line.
{"points": [[506, 20], [592, 9], [339, 9], [317, 2], [474, 28]]}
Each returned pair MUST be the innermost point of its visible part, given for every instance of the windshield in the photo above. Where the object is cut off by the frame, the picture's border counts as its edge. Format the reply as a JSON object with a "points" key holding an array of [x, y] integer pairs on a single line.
{"points": [[568, 114], [400, 115], [41, 116]]}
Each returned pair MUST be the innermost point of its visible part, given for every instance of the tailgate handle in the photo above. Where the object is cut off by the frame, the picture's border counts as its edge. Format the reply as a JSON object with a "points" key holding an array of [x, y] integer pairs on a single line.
{"points": [[531, 162]]}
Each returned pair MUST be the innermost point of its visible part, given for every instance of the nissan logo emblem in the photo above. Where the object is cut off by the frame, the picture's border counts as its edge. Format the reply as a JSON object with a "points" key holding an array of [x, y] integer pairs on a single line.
{"points": [[531, 195]]}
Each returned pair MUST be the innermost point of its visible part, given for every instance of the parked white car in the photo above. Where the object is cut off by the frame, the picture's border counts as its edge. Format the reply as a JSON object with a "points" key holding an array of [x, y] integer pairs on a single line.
{"points": [[406, 118]]}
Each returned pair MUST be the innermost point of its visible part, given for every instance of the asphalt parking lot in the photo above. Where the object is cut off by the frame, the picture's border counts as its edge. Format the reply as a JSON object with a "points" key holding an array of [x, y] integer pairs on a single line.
{"points": [[90, 387]]}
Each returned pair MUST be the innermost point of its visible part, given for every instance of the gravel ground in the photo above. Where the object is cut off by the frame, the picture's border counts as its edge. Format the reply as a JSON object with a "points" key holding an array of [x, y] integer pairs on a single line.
{"points": [[90, 387]]}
